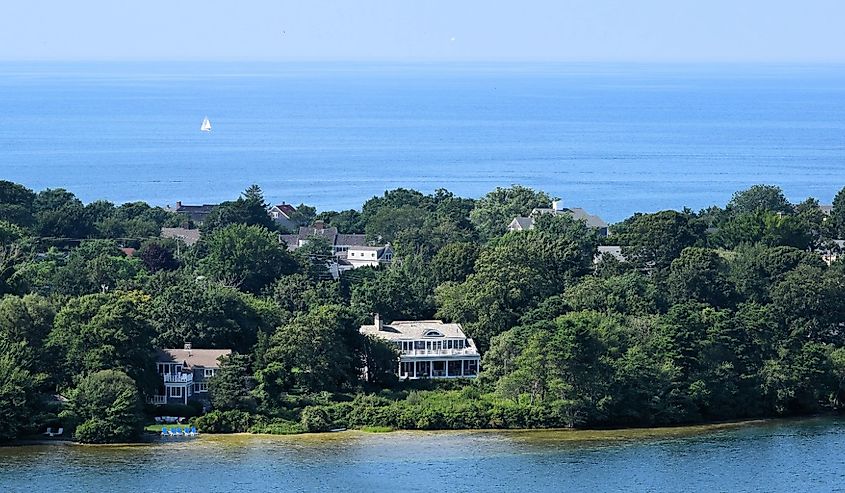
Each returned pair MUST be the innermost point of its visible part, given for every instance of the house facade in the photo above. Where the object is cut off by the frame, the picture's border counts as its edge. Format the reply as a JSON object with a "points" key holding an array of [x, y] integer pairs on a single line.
{"points": [[197, 213], [349, 251], [185, 373], [523, 223], [283, 214], [428, 348]]}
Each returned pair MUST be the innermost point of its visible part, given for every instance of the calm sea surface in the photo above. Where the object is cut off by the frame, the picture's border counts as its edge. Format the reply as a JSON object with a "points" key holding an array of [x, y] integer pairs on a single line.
{"points": [[611, 138], [773, 457]]}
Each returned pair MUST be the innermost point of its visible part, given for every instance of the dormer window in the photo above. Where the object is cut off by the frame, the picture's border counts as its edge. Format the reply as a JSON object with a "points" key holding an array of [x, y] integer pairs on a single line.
{"points": [[432, 333]]}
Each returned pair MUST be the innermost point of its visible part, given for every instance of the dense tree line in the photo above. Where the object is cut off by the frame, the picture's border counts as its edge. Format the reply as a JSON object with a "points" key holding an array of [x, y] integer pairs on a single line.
{"points": [[721, 314]]}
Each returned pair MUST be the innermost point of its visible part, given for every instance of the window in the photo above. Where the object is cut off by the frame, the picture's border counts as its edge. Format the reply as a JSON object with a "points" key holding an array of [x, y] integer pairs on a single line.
{"points": [[175, 391], [201, 387], [209, 372]]}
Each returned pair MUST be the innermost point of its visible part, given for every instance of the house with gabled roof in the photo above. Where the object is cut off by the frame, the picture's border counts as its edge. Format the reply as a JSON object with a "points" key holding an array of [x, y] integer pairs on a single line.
{"points": [[185, 373], [283, 215], [524, 223], [428, 348]]}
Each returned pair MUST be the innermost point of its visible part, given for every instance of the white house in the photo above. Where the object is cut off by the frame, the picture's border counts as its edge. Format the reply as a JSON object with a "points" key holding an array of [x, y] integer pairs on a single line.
{"points": [[363, 256], [429, 348], [283, 215], [523, 223]]}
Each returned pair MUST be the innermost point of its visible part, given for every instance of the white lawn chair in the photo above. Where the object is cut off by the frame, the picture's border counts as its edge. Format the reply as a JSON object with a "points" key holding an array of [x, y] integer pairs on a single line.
{"points": [[158, 420], [49, 432], [58, 433]]}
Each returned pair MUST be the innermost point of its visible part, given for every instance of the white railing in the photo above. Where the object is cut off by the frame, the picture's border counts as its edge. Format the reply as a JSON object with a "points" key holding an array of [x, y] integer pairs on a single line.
{"points": [[157, 399], [439, 352], [178, 377]]}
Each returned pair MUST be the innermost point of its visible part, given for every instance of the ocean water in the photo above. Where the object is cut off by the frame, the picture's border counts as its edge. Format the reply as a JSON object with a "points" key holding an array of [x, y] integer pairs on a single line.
{"points": [[613, 139]]}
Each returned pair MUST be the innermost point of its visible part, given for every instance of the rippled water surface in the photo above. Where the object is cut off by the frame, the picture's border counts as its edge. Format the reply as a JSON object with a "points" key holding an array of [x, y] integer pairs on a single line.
{"points": [[787, 456], [613, 139]]}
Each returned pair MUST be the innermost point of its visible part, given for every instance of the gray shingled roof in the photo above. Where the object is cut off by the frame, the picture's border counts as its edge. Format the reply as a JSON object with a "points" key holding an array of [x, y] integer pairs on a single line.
{"points": [[189, 236]]}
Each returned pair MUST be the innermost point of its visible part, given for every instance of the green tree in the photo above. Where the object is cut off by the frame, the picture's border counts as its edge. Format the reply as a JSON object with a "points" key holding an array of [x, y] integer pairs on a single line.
{"points": [[513, 274], [248, 257], [16, 204], [18, 389], [765, 198], [250, 209], [104, 331], [318, 350], [655, 240], [454, 262], [59, 214], [230, 387], [837, 215], [159, 255], [27, 319], [700, 274], [107, 406], [208, 315], [494, 211]]}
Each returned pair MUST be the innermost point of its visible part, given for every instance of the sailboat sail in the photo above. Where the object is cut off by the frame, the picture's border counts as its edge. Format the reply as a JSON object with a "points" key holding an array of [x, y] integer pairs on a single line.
{"points": [[206, 125]]}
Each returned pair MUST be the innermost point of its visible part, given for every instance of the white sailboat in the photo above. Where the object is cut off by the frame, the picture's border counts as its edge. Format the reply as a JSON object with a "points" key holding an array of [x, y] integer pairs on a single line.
{"points": [[206, 125]]}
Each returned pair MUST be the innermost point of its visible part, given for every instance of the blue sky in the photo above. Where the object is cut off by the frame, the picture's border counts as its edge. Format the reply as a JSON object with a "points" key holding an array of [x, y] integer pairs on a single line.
{"points": [[560, 30]]}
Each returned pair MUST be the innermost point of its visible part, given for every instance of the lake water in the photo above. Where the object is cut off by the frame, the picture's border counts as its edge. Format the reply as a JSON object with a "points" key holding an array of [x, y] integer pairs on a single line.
{"points": [[613, 139], [784, 456]]}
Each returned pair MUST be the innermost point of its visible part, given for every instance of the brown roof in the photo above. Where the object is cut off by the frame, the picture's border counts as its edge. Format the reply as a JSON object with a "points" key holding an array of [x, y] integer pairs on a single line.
{"points": [[286, 209], [205, 358]]}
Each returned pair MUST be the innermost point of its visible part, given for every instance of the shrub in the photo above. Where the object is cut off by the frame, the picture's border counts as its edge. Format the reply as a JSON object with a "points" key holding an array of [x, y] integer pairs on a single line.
{"points": [[315, 419], [224, 422]]}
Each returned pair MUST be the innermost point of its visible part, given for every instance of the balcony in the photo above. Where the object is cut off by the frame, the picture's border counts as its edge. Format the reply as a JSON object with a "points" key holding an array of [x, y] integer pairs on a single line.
{"points": [[157, 400], [178, 377], [440, 352]]}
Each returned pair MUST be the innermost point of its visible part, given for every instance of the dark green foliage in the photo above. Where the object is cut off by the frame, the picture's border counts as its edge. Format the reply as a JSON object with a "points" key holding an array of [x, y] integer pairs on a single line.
{"points": [[493, 212], [315, 419], [249, 210], [699, 274], [104, 331], [18, 389], [107, 407], [230, 387], [158, 255], [247, 257], [16, 204], [654, 240], [765, 198], [725, 314]]}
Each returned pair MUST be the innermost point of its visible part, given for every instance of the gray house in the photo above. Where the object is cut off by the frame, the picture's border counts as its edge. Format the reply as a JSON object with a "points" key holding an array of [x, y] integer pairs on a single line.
{"points": [[523, 223], [185, 373], [197, 213]]}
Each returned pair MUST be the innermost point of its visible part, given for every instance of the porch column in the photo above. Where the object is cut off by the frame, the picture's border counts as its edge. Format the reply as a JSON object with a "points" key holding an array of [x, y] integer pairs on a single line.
{"points": [[463, 362], [447, 367], [431, 369], [414, 364], [185, 393]]}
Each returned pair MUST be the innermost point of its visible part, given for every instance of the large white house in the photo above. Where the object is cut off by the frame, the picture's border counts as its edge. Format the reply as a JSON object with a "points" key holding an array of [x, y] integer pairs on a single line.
{"points": [[429, 348]]}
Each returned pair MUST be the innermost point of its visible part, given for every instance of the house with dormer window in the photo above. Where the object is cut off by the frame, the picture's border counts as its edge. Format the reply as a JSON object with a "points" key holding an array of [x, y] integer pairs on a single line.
{"points": [[428, 348]]}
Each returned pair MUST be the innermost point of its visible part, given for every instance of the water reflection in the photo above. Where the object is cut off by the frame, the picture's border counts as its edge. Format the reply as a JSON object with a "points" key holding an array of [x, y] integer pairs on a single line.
{"points": [[773, 456]]}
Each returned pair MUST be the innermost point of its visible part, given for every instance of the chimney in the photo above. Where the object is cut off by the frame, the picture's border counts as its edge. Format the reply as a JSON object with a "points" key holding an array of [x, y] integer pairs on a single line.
{"points": [[377, 322], [557, 205], [178, 204]]}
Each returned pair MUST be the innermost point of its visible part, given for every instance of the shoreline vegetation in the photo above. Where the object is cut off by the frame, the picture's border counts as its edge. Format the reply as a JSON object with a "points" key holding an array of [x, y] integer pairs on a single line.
{"points": [[729, 313], [545, 434]]}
